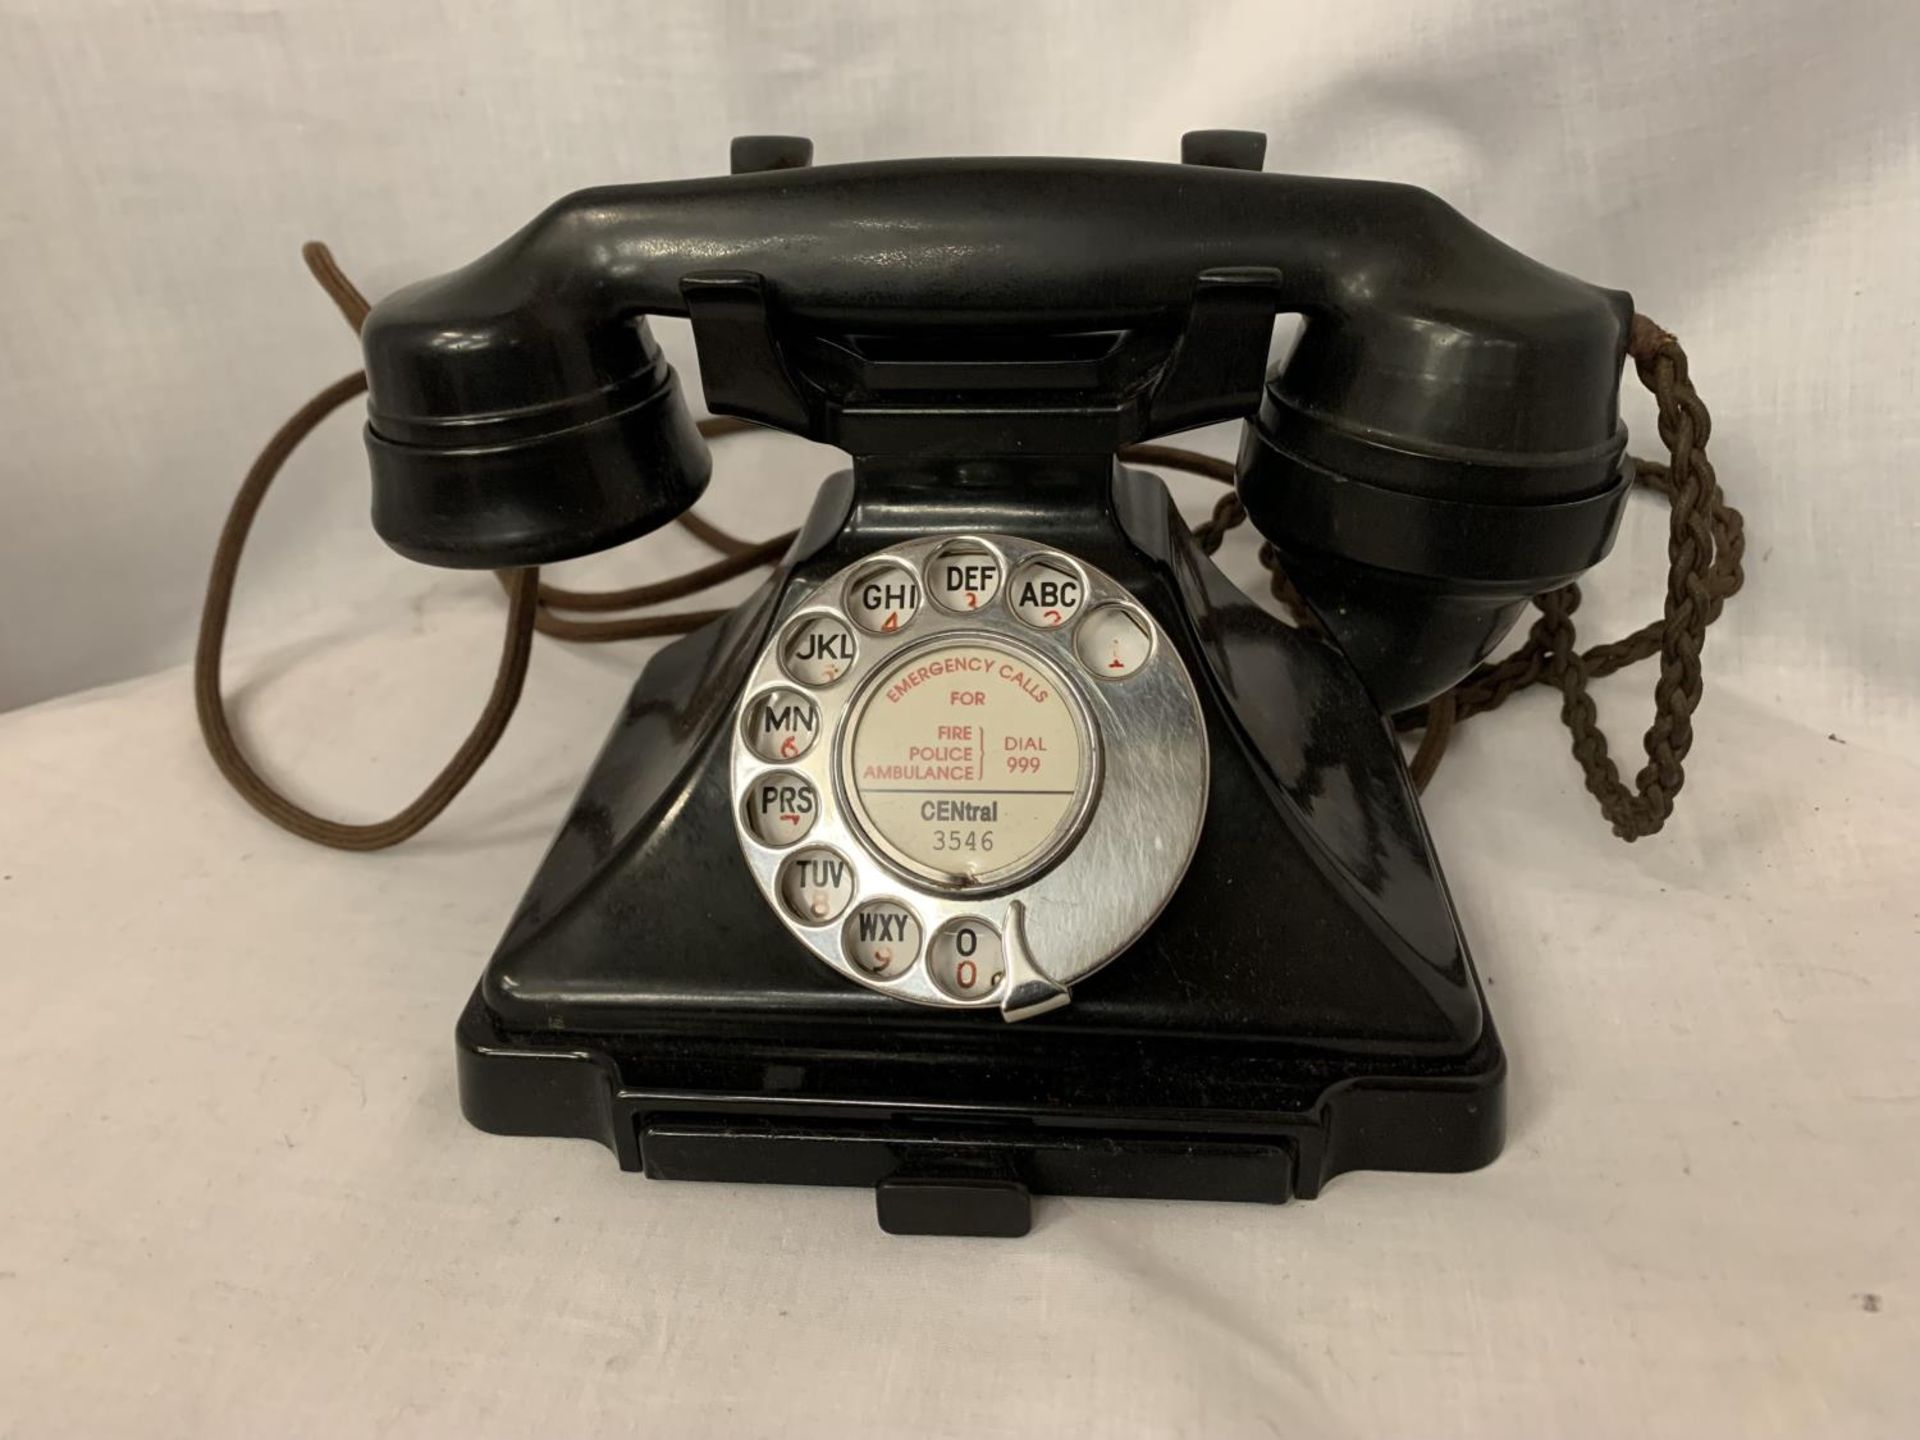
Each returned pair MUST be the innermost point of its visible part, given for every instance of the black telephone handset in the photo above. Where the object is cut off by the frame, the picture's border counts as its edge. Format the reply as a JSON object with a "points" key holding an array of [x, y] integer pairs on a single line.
{"points": [[996, 721], [1442, 444]]}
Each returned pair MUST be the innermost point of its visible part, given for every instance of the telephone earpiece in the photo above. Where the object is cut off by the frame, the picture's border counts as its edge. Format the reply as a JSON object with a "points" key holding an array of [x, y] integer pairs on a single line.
{"points": [[1422, 482], [511, 439]]}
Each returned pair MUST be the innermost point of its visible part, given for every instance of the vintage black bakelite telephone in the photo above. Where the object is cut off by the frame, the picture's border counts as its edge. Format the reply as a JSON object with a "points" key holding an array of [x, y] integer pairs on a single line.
{"points": [[997, 742]]}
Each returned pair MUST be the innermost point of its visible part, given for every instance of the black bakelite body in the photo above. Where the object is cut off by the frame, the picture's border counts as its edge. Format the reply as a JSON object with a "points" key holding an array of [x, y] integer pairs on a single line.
{"points": [[980, 336]]}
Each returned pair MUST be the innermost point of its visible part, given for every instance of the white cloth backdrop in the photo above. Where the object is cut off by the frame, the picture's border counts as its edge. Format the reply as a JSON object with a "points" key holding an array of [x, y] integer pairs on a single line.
{"points": [[237, 1197]]}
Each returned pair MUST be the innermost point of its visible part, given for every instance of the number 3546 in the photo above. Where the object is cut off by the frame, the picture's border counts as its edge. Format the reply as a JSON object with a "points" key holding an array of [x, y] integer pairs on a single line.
{"points": [[976, 840]]}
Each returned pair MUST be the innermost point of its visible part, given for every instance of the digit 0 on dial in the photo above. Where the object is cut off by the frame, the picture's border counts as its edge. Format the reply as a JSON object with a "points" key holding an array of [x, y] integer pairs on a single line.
{"points": [[965, 959]]}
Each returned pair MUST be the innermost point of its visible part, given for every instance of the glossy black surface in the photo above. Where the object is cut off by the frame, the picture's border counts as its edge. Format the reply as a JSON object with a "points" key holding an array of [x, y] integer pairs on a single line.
{"points": [[980, 336], [1424, 312], [1446, 429], [1314, 772], [1308, 968], [962, 1205]]}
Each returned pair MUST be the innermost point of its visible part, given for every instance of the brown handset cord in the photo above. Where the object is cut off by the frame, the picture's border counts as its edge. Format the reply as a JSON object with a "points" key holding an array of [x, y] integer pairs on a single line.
{"points": [[1705, 542]]}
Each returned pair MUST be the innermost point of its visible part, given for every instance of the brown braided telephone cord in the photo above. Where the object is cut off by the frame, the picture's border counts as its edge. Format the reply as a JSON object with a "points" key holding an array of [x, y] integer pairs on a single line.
{"points": [[1704, 547]]}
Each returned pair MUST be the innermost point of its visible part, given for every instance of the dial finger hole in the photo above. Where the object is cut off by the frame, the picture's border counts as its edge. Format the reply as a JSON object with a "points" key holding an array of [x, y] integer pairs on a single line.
{"points": [[883, 598], [782, 725], [817, 650], [882, 939], [966, 959], [963, 577], [1113, 642], [781, 807], [815, 885], [1046, 593]]}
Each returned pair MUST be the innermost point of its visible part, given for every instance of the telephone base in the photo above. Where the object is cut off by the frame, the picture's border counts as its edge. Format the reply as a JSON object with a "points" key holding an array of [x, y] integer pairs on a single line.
{"points": [[1303, 1005], [713, 1106]]}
